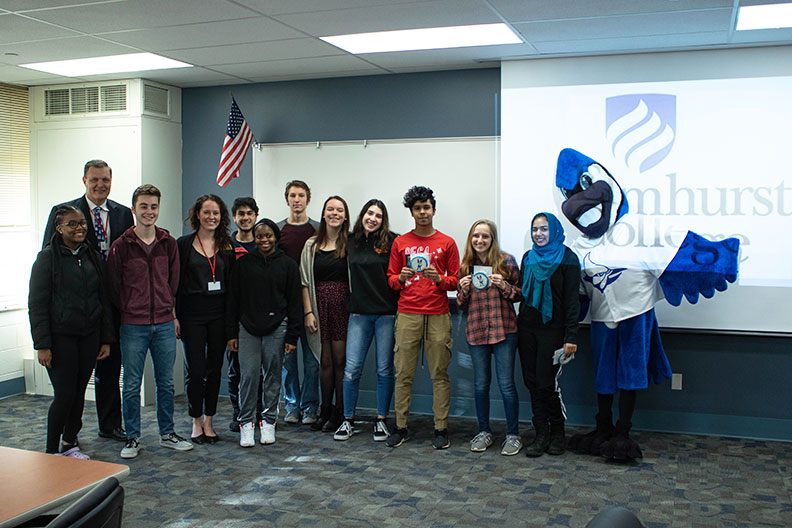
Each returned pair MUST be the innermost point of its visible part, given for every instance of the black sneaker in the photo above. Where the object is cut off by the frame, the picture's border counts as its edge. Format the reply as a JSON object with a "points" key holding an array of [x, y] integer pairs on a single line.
{"points": [[441, 439], [397, 437], [233, 426]]}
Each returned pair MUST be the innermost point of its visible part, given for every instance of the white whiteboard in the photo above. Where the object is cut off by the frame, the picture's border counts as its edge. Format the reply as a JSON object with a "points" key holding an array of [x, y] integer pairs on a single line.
{"points": [[462, 172]]}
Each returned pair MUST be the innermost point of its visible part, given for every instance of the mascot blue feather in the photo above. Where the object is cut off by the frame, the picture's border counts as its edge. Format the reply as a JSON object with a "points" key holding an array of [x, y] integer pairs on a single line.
{"points": [[621, 286]]}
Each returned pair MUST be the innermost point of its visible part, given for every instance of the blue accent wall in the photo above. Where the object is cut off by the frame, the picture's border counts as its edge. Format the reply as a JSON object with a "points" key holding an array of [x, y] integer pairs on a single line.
{"points": [[12, 387], [732, 385]]}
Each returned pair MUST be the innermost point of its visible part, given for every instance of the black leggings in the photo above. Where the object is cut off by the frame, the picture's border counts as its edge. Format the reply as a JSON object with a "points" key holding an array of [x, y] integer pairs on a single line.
{"points": [[73, 359], [536, 347], [204, 345]]}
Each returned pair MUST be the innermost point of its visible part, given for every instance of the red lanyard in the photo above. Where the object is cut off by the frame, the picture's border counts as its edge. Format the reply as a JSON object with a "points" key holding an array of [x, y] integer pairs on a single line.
{"points": [[212, 261], [103, 227]]}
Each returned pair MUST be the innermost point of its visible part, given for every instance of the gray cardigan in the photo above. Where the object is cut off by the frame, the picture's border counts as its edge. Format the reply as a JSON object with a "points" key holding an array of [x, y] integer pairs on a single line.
{"points": [[307, 279]]}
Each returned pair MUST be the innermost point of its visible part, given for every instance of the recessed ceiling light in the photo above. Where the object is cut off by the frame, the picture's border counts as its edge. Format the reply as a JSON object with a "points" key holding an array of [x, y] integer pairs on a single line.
{"points": [[769, 16], [425, 38], [113, 64]]}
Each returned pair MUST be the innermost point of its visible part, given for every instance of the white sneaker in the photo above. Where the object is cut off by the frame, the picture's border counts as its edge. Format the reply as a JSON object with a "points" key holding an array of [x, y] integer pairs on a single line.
{"points": [[481, 442], [247, 435], [381, 432], [344, 431], [131, 448], [267, 432], [174, 441]]}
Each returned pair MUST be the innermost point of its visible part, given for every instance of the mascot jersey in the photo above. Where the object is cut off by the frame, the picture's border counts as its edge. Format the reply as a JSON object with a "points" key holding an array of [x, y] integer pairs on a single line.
{"points": [[623, 283]]}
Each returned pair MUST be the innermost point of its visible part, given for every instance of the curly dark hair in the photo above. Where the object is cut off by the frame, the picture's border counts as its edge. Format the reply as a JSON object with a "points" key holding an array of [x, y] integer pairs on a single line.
{"points": [[418, 193], [64, 210], [222, 234], [383, 235]]}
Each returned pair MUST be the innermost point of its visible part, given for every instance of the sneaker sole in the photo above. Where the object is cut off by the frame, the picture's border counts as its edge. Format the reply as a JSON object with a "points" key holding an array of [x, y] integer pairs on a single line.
{"points": [[267, 442], [442, 447], [400, 442], [247, 445], [128, 457], [504, 453], [380, 439], [475, 449]]}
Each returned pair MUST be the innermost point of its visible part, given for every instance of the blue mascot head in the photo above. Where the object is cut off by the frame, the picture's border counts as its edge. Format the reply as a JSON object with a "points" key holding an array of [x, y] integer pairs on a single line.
{"points": [[593, 199]]}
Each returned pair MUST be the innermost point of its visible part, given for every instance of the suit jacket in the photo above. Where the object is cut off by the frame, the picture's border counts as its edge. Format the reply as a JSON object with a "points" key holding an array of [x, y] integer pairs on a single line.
{"points": [[120, 221]]}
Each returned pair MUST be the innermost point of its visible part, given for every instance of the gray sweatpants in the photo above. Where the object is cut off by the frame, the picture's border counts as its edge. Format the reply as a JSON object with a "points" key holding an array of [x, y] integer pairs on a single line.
{"points": [[257, 356]]}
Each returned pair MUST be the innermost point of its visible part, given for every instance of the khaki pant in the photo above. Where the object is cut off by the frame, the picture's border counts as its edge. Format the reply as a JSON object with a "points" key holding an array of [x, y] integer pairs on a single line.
{"points": [[434, 331]]}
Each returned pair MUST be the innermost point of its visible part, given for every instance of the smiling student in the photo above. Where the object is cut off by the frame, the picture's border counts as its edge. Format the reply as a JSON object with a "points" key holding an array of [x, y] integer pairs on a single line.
{"points": [[144, 266], [263, 322], [488, 293], [424, 265], [206, 258], [372, 307], [70, 322], [548, 320], [325, 282]]}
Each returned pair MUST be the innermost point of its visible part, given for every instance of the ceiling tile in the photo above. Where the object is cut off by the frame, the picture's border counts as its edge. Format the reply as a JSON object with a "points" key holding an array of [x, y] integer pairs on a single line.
{"points": [[62, 49], [173, 76], [142, 14], [627, 44], [532, 10], [280, 7], [15, 28], [320, 75], [323, 65], [257, 51], [15, 74], [392, 17], [27, 5], [257, 29], [455, 56], [626, 26]]}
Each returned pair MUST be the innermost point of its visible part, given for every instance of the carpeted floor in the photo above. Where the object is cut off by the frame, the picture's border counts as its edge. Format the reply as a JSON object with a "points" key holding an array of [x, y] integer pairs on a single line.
{"points": [[307, 479]]}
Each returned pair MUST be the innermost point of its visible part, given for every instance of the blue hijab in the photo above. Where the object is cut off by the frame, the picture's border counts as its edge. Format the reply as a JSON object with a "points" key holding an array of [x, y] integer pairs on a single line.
{"points": [[539, 265]]}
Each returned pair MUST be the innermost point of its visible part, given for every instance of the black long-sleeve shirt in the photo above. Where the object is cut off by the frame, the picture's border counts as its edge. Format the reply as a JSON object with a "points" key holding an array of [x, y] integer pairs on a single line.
{"points": [[263, 292], [565, 288]]}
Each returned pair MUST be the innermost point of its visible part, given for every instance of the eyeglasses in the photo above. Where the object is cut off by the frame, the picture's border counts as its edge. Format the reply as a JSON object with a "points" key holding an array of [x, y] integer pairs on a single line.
{"points": [[75, 223]]}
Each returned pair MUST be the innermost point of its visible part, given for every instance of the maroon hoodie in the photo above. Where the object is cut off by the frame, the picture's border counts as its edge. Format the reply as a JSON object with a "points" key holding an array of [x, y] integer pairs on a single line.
{"points": [[143, 281]]}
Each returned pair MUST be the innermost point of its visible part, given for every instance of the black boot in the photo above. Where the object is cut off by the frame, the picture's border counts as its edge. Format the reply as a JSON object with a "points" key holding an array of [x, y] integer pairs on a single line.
{"points": [[591, 443], [540, 443], [620, 446], [324, 416], [334, 422], [557, 439]]}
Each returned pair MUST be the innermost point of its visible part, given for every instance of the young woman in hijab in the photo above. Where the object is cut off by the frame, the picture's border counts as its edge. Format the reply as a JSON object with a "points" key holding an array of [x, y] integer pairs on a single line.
{"points": [[548, 321]]}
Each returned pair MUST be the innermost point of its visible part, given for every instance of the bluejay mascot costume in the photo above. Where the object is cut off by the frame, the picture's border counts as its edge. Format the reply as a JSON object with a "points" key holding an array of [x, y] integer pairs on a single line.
{"points": [[622, 284]]}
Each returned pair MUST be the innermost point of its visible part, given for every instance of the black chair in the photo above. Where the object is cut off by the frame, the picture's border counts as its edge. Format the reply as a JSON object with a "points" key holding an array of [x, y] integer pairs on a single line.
{"points": [[102, 507], [615, 517]]}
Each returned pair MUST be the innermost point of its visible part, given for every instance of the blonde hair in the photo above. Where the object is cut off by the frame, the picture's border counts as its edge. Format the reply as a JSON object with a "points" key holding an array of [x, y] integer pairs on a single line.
{"points": [[495, 256]]}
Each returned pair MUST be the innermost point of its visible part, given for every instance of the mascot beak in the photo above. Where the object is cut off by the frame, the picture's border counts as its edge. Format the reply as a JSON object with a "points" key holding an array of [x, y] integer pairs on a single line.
{"points": [[593, 199]]}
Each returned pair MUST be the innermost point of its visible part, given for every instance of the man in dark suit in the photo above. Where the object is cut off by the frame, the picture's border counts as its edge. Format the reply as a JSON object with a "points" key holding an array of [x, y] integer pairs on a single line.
{"points": [[107, 220]]}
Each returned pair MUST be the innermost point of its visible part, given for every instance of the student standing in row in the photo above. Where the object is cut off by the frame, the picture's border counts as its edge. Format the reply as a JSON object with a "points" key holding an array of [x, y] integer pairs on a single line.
{"points": [[424, 266], [107, 221], [488, 289], [206, 258], [71, 323], [548, 320], [245, 211], [144, 266], [372, 313], [325, 281], [295, 231]]}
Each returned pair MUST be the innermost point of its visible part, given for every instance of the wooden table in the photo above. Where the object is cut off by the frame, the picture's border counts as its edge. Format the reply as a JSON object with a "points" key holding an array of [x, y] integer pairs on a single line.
{"points": [[32, 483]]}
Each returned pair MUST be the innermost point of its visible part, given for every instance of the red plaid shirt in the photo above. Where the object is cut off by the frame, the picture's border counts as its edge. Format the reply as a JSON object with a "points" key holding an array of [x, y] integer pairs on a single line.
{"points": [[491, 311]]}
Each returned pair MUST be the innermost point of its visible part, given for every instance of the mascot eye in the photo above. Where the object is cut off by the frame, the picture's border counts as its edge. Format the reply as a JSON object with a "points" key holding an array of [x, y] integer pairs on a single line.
{"points": [[585, 181]]}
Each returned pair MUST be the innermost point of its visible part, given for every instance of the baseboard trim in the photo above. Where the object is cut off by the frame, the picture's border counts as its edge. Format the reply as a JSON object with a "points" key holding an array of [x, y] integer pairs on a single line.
{"points": [[12, 387]]}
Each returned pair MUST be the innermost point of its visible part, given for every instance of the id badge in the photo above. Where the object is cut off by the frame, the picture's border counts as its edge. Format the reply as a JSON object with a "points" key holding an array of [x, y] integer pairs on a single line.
{"points": [[214, 286]]}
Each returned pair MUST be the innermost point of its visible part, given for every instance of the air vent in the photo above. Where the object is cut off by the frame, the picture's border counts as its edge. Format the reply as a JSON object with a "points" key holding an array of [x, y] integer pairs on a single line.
{"points": [[85, 100], [114, 98], [155, 99], [82, 100], [56, 102]]}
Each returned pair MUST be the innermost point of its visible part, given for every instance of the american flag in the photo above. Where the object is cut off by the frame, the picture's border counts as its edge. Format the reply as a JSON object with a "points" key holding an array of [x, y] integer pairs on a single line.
{"points": [[235, 146]]}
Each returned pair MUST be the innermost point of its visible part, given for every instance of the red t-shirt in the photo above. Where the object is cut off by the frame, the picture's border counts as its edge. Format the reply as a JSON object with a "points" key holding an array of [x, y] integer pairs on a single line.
{"points": [[419, 294]]}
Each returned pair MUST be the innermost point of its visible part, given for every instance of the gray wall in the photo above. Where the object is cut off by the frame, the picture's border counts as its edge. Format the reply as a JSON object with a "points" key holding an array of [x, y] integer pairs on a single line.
{"points": [[732, 385]]}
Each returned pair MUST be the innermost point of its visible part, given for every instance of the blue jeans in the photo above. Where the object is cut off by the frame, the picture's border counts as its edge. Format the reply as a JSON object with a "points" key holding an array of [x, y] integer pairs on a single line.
{"points": [[305, 398], [136, 340], [503, 353], [362, 329]]}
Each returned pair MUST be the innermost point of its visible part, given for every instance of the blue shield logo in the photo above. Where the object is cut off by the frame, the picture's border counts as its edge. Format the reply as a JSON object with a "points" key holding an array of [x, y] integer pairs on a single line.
{"points": [[640, 128]]}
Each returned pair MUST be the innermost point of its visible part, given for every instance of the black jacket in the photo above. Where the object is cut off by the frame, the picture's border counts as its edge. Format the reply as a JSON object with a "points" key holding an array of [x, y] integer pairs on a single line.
{"points": [[565, 288], [264, 291], [185, 247], [69, 295]]}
